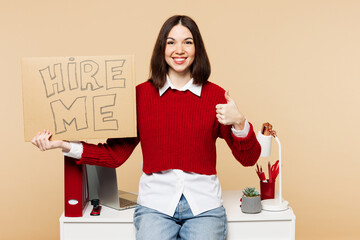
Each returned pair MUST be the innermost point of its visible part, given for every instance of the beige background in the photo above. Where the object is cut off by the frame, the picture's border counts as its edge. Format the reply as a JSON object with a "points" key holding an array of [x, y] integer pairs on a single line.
{"points": [[293, 63]]}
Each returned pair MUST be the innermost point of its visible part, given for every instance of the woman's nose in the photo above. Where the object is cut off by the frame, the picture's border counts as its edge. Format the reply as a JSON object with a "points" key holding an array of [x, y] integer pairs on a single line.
{"points": [[179, 49]]}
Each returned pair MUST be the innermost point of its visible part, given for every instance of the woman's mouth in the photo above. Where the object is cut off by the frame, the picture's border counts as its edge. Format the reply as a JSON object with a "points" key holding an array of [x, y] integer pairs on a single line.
{"points": [[179, 60]]}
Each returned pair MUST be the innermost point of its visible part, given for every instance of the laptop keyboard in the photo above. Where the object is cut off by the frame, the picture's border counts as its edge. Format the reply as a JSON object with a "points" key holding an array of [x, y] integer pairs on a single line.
{"points": [[126, 203]]}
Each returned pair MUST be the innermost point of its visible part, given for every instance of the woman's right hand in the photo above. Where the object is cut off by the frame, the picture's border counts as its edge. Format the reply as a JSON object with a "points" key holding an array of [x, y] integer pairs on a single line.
{"points": [[43, 142]]}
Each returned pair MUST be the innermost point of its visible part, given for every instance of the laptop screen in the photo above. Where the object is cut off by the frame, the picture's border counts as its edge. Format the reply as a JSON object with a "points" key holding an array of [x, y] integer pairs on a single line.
{"points": [[102, 182]]}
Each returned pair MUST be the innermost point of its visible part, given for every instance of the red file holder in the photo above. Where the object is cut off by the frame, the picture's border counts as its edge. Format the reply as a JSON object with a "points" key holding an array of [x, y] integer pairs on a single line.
{"points": [[76, 188]]}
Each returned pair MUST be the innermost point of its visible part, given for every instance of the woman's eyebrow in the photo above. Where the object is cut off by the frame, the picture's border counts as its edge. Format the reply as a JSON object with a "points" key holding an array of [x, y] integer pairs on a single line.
{"points": [[189, 38]]}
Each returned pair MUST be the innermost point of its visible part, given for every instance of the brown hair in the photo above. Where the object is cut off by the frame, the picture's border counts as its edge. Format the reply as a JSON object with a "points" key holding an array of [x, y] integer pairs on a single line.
{"points": [[200, 69]]}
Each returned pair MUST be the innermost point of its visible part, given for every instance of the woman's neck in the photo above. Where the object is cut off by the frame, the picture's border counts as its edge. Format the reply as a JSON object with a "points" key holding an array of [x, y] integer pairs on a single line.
{"points": [[179, 80]]}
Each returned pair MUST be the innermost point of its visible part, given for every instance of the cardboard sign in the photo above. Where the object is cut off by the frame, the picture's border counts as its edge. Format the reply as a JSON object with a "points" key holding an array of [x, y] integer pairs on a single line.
{"points": [[79, 98]]}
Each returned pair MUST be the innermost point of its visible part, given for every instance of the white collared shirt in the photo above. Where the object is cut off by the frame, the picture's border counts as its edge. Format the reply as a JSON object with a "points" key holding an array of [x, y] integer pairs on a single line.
{"points": [[162, 190]]}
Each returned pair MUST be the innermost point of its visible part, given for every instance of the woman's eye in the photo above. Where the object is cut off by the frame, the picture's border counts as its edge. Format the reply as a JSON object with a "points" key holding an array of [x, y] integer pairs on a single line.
{"points": [[170, 42], [188, 42]]}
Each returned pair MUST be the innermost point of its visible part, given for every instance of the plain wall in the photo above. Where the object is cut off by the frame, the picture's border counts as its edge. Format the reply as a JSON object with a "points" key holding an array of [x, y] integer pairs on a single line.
{"points": [[292, 63]]}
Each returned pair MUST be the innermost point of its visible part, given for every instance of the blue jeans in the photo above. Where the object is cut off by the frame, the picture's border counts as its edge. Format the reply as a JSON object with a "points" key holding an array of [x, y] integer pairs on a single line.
{"points": [[154, 225]]}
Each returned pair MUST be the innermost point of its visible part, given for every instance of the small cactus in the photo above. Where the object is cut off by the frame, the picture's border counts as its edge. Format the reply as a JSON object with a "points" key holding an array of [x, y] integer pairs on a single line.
{"points": [[250, 192]]}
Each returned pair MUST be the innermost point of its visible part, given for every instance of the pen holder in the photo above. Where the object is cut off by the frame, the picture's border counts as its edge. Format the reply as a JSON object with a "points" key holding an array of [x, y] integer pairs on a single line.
{"points": [[267, 190]]}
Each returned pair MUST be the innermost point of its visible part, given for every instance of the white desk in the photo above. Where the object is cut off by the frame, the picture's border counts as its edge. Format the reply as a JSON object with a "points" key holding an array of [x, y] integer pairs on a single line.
{"points": [[113, 224]]}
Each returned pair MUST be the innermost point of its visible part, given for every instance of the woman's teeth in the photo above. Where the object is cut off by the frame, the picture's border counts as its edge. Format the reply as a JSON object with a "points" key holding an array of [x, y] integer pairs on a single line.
{"points": [[179, 60]]}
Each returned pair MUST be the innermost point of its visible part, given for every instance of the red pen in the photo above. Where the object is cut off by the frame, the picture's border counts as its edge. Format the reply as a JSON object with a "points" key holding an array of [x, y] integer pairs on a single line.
{"points": [[275, 170], [260, 173], [270, 175]]}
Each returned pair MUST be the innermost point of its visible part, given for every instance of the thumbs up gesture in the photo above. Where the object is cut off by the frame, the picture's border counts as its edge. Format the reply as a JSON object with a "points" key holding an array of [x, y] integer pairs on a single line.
{"points": [[229, 114]]}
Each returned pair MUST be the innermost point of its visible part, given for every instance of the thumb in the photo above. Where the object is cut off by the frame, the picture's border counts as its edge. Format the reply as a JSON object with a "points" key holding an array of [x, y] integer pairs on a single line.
{"points": [[227, 96]]}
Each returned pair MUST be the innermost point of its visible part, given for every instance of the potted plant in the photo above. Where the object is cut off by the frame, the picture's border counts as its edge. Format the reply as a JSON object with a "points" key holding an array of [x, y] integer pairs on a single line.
{"points": [[251, 201]]}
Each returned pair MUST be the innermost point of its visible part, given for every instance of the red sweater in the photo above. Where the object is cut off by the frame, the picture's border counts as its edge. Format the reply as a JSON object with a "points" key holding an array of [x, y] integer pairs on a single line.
{"points": [[177, 130]]}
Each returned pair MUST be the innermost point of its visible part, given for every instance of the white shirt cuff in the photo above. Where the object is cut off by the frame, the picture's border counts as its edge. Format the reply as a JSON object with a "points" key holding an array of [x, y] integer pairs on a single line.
{"points": [[242, 133], [75, 151]]}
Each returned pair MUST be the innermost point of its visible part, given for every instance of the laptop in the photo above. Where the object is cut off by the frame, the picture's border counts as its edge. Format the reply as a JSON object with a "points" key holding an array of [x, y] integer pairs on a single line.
{"points": [[102, 182]]}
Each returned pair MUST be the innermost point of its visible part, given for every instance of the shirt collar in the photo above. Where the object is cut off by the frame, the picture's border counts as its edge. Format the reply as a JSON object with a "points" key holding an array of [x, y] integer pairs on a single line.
{"points": [[195, 89]]}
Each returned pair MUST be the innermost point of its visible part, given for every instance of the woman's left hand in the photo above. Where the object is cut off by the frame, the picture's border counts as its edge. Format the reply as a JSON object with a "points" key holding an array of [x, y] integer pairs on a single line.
{"points": [[229, 114]]}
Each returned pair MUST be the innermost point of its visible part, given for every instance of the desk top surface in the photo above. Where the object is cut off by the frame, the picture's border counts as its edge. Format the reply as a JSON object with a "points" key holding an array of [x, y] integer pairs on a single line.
{"points": [[231, 202]]}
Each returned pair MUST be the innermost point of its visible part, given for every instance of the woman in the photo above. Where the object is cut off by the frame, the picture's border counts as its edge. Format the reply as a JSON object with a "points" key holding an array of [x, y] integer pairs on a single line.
{"points": [[180, 115]]}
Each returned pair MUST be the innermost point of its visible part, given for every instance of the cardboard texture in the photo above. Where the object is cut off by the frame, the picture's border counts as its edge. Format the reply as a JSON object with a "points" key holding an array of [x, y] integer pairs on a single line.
{"points": [[79, 98]]}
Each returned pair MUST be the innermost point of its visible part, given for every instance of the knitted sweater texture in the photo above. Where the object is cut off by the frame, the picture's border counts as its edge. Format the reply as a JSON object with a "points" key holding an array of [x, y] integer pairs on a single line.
{"points": [[177, 130]]}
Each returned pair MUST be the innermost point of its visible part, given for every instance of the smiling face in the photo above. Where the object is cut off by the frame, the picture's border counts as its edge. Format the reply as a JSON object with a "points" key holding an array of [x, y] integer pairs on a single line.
{"points": [[179, 50]]}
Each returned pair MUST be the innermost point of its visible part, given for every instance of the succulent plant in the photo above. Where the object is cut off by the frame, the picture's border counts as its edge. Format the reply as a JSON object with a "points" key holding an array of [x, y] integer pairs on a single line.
{"points": [[250, 192]]}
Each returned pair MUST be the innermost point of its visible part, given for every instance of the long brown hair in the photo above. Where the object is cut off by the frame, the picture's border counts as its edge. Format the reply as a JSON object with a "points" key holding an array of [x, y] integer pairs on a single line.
{"points": [[200, 69]]}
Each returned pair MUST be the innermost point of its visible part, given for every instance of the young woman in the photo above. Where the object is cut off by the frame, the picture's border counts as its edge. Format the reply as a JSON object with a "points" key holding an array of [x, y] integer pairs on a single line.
{"points": [[180, 116]]}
